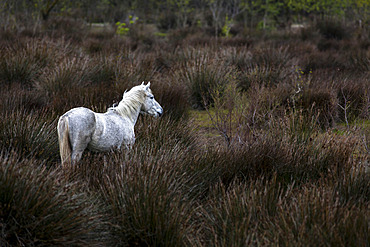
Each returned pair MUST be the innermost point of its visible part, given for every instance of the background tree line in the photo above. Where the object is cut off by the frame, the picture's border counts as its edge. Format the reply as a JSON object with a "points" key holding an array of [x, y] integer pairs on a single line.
{"points": [[170, 14]]}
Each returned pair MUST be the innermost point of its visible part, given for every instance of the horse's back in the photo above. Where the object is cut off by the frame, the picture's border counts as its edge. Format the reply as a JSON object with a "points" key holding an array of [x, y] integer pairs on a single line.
{"points": [[80, 117], [111, 131]]}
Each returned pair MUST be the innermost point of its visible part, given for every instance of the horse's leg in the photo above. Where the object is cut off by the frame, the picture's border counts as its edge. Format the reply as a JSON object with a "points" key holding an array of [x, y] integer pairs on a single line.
{"points": [[79, 147], [129, 143], [76, 156]]}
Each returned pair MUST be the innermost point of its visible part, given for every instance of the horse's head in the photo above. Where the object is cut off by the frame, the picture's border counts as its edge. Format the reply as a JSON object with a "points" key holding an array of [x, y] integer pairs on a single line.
{"points": [[150, 105]]}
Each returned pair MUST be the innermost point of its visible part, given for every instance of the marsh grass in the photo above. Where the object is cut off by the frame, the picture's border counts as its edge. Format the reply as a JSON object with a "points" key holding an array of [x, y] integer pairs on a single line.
{"points": [[31, 135], [315, 212], [293, 171], [204, 74], [237, 216], [146, 207], [20, 69], [267, 67], [37, 210], [16, 98]]}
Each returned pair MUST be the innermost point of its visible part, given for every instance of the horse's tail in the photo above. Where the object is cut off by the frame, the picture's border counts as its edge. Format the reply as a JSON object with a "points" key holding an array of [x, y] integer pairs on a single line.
{"points": [[64, 142]]}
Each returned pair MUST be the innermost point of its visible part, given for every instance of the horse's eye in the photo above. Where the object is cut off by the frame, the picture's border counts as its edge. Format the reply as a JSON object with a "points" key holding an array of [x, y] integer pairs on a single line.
{"points": [[151, 97]]}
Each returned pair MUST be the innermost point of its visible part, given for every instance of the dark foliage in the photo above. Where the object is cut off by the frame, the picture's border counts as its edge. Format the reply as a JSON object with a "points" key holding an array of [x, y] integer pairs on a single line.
{"points": [[39, 208], [333, 29]]}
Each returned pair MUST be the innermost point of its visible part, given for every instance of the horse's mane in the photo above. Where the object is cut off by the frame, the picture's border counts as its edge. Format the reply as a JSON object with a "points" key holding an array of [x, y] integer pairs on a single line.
{"points": [[131, 101]]}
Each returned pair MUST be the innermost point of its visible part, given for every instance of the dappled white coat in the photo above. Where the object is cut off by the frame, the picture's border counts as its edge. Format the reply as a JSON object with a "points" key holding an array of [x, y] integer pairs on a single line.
{"points": [[82, 128]]}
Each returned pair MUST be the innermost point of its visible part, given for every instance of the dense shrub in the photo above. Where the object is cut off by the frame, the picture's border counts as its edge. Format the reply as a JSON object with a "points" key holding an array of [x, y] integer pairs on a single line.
{"points": [[320, 103], [333, 29], [17, 98], [267, 103], [203, 74], [358, 60], [69, 73], [353, 98], [31, 135], [237, 216], [38, 209], [318, 61], [311, 218], [65, 27], [22, 65], [145, 206], [267, 67]]}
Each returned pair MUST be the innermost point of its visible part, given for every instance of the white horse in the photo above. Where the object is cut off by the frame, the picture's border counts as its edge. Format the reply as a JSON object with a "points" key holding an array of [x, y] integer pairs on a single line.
{"points": [[81, 128]]}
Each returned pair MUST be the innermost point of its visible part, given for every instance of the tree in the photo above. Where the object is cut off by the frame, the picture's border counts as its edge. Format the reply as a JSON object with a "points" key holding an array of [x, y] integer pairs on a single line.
{"points": [[45, 7], [225, 11]]}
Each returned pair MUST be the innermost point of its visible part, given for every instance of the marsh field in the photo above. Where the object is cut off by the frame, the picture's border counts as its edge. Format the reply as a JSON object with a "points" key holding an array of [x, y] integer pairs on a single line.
{"points": [[264, 140]]}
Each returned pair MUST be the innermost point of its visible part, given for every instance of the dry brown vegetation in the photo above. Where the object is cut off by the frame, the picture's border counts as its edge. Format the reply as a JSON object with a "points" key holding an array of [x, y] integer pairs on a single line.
{"points": [[282, 158]]}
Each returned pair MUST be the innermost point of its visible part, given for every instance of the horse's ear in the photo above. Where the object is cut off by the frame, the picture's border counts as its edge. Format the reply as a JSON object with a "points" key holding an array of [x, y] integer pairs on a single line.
{"points": [[147, 85], [142, 83]]}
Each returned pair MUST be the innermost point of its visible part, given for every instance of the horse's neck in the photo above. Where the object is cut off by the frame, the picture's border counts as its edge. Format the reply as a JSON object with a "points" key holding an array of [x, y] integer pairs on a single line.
{"points": [[134, 117], [129, 111]]}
